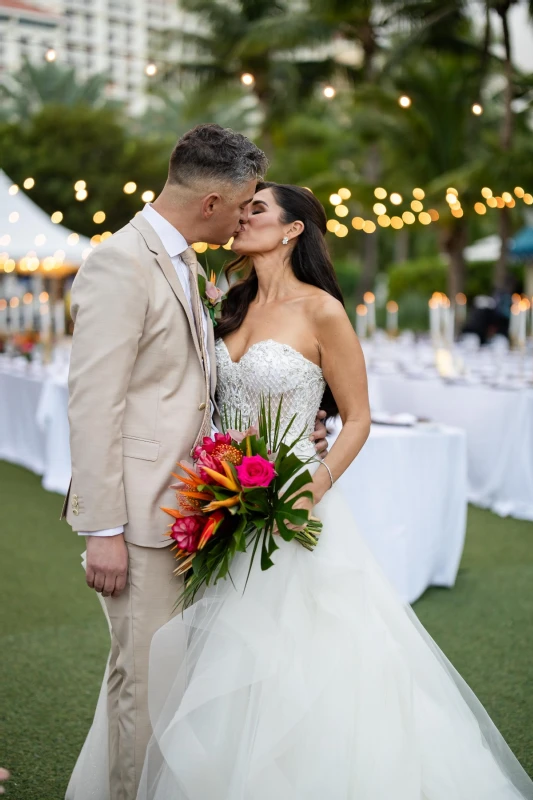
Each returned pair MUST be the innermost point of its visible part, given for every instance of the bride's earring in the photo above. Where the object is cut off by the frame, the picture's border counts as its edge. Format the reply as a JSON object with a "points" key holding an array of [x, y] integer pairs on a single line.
{"points": [[285, 240]]}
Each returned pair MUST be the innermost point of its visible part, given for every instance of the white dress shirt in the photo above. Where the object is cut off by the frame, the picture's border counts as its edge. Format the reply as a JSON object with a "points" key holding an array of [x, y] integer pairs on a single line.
{"points": [[175, 244]]}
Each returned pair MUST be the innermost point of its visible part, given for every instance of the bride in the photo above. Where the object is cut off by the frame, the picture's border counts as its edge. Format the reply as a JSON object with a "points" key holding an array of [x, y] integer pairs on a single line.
{"points": [[316, 683]]}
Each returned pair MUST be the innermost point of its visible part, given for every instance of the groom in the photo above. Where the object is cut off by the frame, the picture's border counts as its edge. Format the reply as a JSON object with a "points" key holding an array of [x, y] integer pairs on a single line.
{"points": [[142, 382]]}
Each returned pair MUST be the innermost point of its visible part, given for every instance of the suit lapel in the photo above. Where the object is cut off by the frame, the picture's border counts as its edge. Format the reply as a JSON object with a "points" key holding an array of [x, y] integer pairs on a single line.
{"points": [[212, 356], [167, 267]]}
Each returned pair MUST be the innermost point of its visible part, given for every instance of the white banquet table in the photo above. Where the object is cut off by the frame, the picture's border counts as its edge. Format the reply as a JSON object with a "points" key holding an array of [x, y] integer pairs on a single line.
{"points": [[499, 429], [21, 441], [407, 491]]}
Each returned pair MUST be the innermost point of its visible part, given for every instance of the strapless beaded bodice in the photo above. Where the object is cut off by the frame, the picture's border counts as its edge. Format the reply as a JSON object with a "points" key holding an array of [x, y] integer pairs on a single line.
{"points": [[275, 370]]}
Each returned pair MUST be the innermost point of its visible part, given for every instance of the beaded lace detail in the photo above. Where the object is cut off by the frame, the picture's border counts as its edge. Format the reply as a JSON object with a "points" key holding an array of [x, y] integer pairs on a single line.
{"points": [[270, 368]]}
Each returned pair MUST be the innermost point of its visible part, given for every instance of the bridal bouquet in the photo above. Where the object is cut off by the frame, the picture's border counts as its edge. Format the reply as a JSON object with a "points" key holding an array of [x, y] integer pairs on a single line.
{"points": [[242, 491]]}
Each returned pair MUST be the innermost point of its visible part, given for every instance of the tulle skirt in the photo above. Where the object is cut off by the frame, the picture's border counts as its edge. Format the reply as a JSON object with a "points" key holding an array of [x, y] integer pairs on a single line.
{"points": [[316, 683]]}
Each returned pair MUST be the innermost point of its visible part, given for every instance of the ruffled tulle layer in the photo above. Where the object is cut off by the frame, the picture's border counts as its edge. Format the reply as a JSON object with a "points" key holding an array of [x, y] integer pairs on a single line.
{"points": [[316, 683]]}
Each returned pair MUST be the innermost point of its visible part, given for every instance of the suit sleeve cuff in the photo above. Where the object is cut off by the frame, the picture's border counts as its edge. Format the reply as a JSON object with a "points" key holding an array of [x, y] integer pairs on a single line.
{"points": [[106, 532]]}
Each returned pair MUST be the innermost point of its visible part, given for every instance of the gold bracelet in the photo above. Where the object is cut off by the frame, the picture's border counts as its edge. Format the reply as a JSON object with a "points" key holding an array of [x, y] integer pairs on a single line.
{"points": [[329, 472]]}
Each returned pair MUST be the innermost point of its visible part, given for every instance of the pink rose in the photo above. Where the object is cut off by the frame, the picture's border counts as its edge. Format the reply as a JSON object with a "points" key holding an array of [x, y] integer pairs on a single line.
{"points": [[186, 532], [255, 471], [213, 292]]}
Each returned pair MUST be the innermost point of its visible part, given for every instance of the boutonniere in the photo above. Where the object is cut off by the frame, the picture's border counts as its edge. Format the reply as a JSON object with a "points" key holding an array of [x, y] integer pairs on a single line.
{"points": [[211, 295]]}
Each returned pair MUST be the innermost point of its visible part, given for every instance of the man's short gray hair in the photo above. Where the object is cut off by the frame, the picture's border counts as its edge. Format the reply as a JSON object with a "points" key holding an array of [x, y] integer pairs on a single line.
{"points": [[212, 152]]}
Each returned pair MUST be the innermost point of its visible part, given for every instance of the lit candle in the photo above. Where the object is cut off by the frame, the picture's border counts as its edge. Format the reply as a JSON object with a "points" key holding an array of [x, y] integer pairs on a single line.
{"points": [[361, 325], [3, 316], [27, 311], [513, 323], [392, 318], [45, 314], [460, 309], [434, 320], [370, 303], [14, 315], [59, 318], [449, 324], [521, 326]]}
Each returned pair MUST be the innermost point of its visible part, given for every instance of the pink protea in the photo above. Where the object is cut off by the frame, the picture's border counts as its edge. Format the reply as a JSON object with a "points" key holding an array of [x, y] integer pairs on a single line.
{"points": [[186, 532], [204, 459]]}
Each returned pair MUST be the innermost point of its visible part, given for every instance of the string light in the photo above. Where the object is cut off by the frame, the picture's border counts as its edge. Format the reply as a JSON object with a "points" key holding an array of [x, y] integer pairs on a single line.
{"points": [[335, 199], [480, 208], [451, 198], [14, 302], [477, 109], [29, 183], [528, 199], [96, 239], [341, 211], [396, 198], [384, 220], [434, 214], [106, 235], [358, 223], [408, 217], [507, 197], [56, 217], [379, 209], [424, 218], [151, 69], [13, 189], [491, 202], [341, 231], [43, 297], [130, 187], [200, 247], [451, 190], [460, 299], [9, 266], [79, 186], [81, 195], [227, 246], [511, 203], [73, 239], [417, 206], [396, 223], [519, 192], [147, 196], [500, 202], [345, 194], [329, 92], [457, 212], [99, 217], [419, 194], [404, 101], [380, 193], [50, 55], [247, 79], [332, 225], [369, 226], [486, 192]]}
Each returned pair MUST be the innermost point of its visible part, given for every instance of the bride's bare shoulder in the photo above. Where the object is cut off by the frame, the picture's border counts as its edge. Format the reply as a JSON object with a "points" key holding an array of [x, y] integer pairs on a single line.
{"points": [[323, 307]]}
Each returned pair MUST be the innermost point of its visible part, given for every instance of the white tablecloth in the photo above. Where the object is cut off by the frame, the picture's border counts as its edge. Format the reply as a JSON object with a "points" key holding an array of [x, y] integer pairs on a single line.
{"points": [[499, 431], [34, 424], [407, 491]]}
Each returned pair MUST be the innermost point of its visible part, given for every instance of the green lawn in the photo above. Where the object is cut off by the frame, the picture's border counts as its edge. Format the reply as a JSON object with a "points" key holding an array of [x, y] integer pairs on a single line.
{"points": [[54, 639]]}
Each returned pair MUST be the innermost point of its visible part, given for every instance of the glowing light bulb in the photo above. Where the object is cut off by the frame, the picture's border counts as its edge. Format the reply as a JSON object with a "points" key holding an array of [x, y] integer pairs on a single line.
{"points": [[329, 92], [404, 101], [151, 69], [247, 79]]}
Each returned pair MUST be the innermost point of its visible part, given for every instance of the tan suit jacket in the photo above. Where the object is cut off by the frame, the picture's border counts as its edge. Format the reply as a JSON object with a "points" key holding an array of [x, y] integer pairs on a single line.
{"points": [[139, 390]]}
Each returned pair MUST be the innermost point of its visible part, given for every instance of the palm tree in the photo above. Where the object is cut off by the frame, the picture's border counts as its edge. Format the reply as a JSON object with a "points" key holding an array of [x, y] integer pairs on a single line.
{"points": [[34, 86]]}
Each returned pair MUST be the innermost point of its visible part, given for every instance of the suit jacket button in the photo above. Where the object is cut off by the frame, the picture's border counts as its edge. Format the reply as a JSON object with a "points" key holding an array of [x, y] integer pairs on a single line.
{"points": [[201, 407], [75, 511]]}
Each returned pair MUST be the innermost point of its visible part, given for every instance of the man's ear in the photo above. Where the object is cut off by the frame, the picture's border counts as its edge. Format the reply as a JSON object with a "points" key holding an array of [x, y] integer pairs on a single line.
{"points": [[209, 204]]}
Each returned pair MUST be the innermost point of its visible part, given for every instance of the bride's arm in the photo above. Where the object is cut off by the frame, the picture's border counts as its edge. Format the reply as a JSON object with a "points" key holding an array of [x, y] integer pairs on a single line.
{"points": [[343, 365]]}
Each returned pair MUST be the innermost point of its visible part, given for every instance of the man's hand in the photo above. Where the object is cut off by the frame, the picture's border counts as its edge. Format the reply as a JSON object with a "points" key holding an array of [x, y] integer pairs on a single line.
{"points": [[319, 436], [107, 564]]}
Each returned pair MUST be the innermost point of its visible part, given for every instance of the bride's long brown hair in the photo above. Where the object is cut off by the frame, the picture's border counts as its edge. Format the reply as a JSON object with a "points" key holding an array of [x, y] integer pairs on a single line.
{"points": [[310, 261]]}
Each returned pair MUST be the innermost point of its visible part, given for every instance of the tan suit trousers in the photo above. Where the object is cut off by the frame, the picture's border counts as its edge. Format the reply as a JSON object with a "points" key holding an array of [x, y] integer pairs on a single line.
{"points": [[146, 604]]}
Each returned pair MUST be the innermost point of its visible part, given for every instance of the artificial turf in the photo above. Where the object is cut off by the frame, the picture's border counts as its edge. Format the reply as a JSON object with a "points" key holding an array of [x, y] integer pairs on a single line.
{"points": [[53, 638]]}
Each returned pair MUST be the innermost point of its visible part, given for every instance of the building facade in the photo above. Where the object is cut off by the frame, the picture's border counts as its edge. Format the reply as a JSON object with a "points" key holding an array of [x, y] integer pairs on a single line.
{"points": [[114, 37]]}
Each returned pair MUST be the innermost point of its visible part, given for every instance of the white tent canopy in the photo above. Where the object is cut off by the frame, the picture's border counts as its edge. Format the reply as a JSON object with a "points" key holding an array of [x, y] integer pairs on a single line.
{"points": [[487, 249], [27, 230]]}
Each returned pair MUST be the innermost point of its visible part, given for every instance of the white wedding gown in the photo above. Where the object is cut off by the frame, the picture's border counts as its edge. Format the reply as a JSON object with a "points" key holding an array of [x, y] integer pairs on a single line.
{"points": [[316, 683]]}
